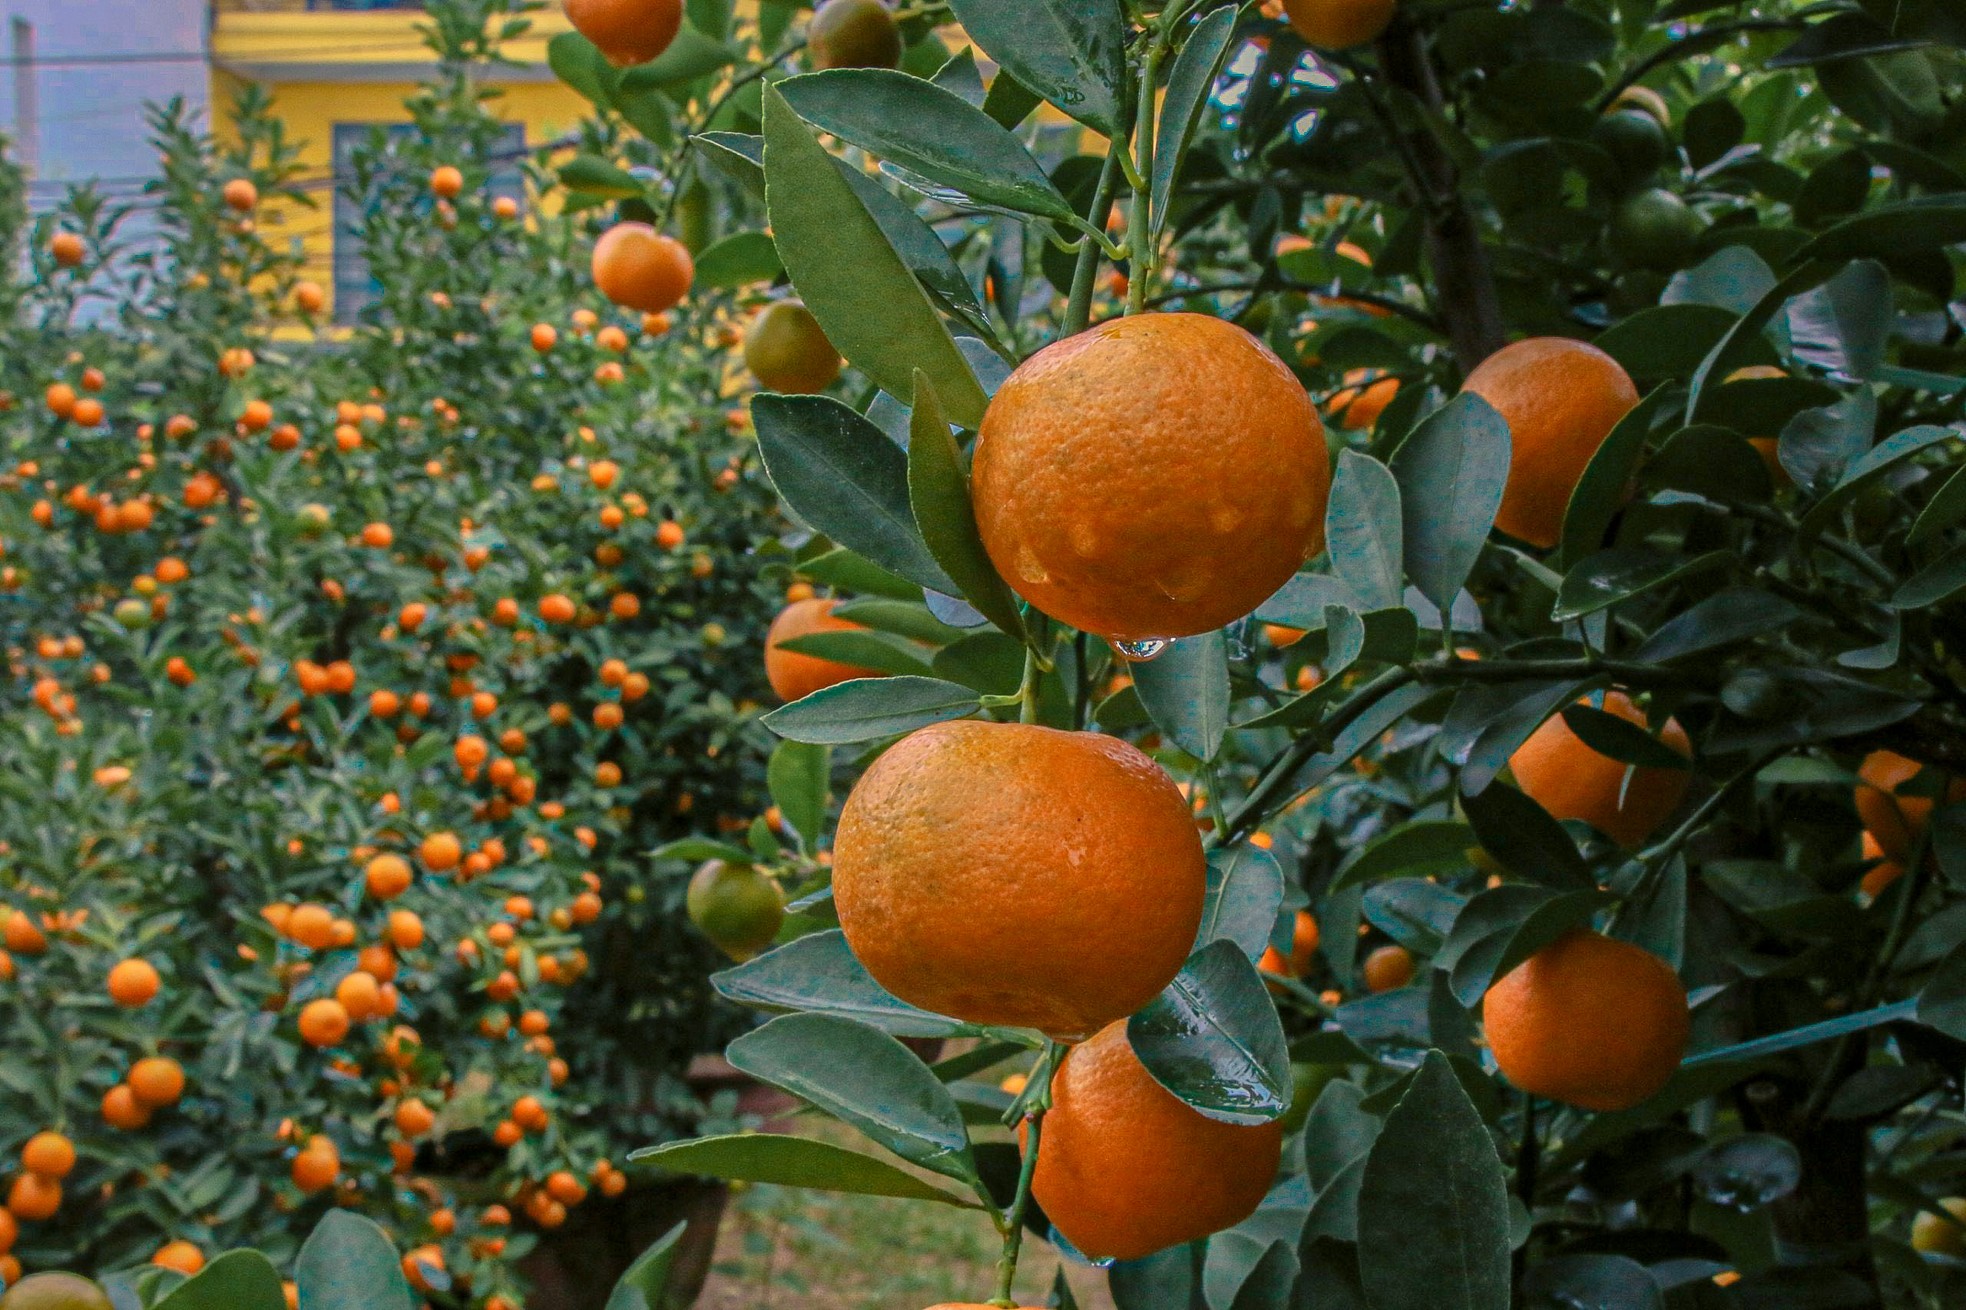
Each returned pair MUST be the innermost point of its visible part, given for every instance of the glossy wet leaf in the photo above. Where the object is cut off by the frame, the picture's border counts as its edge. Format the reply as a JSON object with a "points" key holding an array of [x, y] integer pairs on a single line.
{"points": [[1071, 52], [1434, 1170], [864, 294], [644, 1285], [349, 1263], [1213, 1039], [237, 1280], [1600, 493], [1420, 848], [843, 476], [865, 1078], [1188, 86], [867, 709], [1364, 531], [938, 492], [929, 131], [1451, 472], [817, 972], [793, 1162], [1186, 691], [1245, 890]]}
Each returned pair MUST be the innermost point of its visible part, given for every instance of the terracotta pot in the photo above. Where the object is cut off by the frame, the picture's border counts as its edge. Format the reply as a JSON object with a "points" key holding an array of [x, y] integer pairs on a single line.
{"points": [[576, 1267]]}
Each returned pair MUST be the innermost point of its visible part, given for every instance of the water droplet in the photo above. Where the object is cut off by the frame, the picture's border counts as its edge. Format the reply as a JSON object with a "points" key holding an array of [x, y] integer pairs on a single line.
{"points": [[1139, 652]]}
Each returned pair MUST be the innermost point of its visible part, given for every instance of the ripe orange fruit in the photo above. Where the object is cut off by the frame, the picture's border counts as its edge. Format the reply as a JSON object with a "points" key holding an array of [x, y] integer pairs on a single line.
{"points": [[446, 182], [557, 609], [1339, 24], [1303, 950], [414, 1118], [1932, 1235], [441, 851], [1570, 780], [1388, 969], [736, 906], [323, 1022], [640, 268], [1561, 399], [1359, 405], [1883, 872], [133, 983], [317, 1167], [793, 675], [33, 1197], [157, 1081], [1895, 821], [56, 1291], [1589, 1021], [67, 249], [179, 1255], [240, 195], [627, 31], [387, 877], [1126, 1168], [853, 34], [1154, 477], [787, 351], [121, 1109], [310, 297], [311, 926], [50, 1155], [978, 866], [360, 994]]}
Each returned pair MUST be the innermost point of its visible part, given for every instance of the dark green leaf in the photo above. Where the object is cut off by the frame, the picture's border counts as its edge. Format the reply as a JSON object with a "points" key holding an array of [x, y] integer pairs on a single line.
{"points": [[1420, 848], [738, 260], [240, 1280], [1364, 531], [1600, 493], [1531, 927], [880, 651], [1213, 1039], [1188, 86], [843, 476], [1620, 739], [1071, 52], [575, 61], [1946, 508], [1611, 577], [1869, 467], [1593, 1280], [596, 176], [797, 776], [1186, 691], [1722, 619], [867, 709], [1451, 471], [1245, 889], [349, 1263], [928, 131], [1819, 444], [645, 1285], [1413, 912], [865, 1078], [818, 972], [1525, 839], [1842, 325], [1886, 231], [1434, 1170], [1665, 341], [938, 491], [863, 293], [689, 56], [792, 1162], [1938, 581]]}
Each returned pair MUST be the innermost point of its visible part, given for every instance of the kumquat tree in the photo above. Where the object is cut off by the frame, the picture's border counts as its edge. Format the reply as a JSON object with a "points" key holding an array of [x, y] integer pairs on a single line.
{"points": [[1368, 675]]}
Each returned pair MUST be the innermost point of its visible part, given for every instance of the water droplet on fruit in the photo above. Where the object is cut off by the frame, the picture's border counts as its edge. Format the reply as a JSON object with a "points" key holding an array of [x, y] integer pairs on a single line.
{"points": [[1139, 652]]}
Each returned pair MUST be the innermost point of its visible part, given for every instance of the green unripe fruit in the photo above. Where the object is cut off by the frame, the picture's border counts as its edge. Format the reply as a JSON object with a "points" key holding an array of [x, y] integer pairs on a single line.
{"points": [[736, 906], [1931, 1235], [786, 350], [132, 613], [1654, 229], [55, 1291], [314, 519], [1307, 1083], [1635, 140], [854, 34]]}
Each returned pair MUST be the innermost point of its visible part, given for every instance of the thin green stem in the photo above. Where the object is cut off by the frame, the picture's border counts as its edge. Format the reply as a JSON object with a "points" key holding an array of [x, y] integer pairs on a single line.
{"points": [[1140, 226], [1085, 276], [1027, 691], [1033, 1103]]}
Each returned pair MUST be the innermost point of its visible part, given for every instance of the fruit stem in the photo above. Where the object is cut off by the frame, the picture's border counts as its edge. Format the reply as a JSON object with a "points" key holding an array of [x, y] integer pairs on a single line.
{"points": [[1140, 225], [1078, 310], [1027, 691], [1035, 1101]]}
